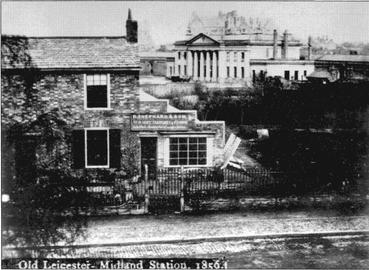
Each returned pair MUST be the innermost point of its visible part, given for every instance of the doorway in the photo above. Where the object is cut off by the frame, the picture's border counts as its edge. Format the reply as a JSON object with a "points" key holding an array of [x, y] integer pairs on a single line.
{"points": [[148, 155]]}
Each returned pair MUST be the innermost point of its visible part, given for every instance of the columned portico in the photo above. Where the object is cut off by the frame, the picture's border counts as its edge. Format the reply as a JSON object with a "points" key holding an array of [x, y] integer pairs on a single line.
{"points": [[189, 63], [208, 68], [215, 60], [201, 66], [195, 65]]}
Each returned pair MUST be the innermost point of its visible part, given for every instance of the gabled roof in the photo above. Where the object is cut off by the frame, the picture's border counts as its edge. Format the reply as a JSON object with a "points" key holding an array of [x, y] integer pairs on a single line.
{"points": [[19, 52], [206, 40]]}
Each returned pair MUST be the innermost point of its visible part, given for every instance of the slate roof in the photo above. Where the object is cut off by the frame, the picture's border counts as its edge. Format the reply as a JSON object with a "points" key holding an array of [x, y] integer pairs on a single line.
{"points": [[321, 74], [20, 52], [344, 58], [157, 54]]}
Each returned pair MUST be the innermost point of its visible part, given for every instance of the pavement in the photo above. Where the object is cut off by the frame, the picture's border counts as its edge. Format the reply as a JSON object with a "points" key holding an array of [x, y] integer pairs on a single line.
{"points": [[175, 228]]}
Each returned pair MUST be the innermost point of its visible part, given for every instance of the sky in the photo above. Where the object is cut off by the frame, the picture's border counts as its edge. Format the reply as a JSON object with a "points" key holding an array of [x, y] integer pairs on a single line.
{"points": [[167, 21]]}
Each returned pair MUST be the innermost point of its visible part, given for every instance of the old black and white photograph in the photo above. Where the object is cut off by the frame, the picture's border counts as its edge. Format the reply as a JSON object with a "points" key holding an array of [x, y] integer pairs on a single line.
{"points": [[184, 134]]}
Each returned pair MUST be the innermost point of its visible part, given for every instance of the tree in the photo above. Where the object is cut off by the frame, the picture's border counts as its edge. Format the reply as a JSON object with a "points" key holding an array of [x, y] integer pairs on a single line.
{"points": [[44, 201]]}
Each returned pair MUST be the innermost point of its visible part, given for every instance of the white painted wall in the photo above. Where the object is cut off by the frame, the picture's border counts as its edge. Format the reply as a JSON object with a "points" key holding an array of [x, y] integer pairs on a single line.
{"points": [[279, 69]]}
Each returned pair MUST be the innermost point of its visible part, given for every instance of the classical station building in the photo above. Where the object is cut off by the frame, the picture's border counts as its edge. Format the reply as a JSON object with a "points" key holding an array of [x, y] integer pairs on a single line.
{"points": [[230, 49]]}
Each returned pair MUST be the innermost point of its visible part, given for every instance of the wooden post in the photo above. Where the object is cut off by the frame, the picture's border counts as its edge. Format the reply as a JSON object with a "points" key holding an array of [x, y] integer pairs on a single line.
{"points": [[147, 203], [147, 196], [181, 199]]}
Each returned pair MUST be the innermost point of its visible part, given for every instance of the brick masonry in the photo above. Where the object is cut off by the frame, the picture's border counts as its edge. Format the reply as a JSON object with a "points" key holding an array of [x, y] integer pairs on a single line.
{"points": [[65, 91]]}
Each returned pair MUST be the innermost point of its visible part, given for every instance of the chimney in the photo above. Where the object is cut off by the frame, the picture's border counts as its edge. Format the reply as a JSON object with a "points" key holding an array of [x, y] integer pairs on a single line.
{"points": [[131, 29], [285, 45], [309, 48], [275, 45]]}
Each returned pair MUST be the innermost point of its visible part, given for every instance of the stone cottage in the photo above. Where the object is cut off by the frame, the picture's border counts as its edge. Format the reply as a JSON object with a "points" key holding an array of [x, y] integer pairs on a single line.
{"points": [[111, 125]]}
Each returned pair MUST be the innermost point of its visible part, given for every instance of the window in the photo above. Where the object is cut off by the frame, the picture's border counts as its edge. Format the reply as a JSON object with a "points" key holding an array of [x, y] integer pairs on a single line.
{"points": [[296, 74], [242, 72], [235, 71], [228, 72], [253, 75], [179, 55], [97, 91], [235, 56], [287, 74], [242, 57], [228, 55], [185, 55], [185, 70], [96, 148], [187, 151], [305, 73], [170, 71], [179, 70]]}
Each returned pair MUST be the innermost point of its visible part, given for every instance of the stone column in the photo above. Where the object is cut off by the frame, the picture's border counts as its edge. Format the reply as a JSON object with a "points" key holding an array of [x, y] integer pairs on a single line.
{"points": [[207, 66], [189, 63], [195, 65], [222, 66], [215, 60], [201, 65]]}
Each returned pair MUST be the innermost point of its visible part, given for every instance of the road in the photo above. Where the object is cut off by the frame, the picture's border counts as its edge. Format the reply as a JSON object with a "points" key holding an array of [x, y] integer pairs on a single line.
{"points": [[239, 236]]}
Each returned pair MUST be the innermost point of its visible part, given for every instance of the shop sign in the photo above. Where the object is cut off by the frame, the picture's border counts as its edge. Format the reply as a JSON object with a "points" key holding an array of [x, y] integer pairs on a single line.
{"points": [[159, 121]]}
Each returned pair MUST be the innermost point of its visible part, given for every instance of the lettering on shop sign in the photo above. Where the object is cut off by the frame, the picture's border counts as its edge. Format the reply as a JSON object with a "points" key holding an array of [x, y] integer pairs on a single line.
{"points": [[161, 121]]}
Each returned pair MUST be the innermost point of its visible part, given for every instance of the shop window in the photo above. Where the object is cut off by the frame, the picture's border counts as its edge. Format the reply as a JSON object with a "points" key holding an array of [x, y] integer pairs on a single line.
{"points": [[187, 151], [96, 148], [97, 91]]}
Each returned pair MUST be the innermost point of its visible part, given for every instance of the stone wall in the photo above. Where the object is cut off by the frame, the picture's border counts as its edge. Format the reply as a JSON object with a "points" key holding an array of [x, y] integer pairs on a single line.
{"points": [[65, 91]]}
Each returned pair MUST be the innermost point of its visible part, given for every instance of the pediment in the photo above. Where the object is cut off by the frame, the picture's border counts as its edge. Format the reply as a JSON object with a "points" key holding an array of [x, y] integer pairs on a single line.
{"points": [[202, 39]]}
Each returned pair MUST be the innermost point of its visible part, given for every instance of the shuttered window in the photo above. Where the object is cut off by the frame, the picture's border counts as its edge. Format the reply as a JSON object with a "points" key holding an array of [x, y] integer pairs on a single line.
{"points": [[96, 148]]}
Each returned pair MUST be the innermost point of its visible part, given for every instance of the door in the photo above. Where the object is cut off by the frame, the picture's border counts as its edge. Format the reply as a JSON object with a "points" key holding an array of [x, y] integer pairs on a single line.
{"points": [[148, 155]]}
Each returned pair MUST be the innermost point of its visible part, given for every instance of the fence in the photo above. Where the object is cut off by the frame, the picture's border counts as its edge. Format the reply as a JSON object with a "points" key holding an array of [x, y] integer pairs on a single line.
{"points": [[261, 182]]}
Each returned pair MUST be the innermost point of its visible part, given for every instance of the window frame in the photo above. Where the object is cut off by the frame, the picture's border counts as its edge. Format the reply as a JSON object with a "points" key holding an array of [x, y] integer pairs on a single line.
{"points": [[107, 92], [108, 147], [207, 151]]}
